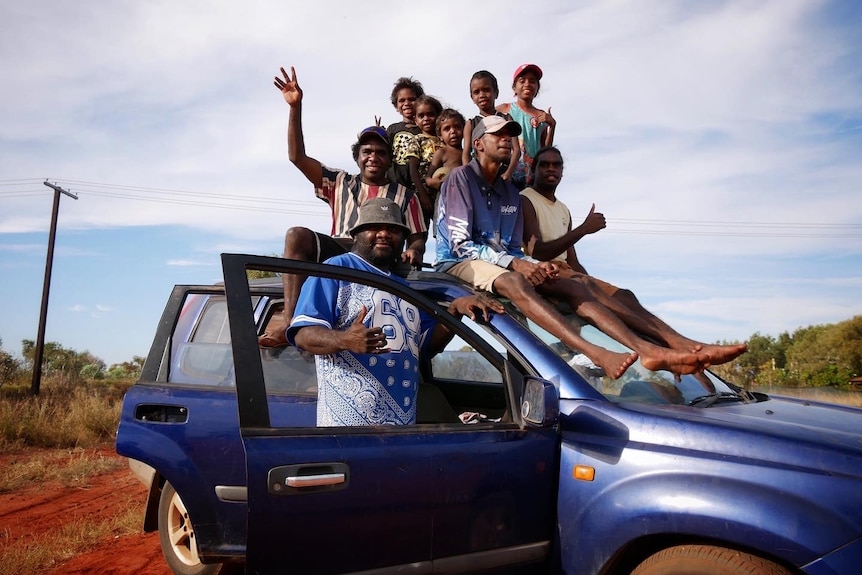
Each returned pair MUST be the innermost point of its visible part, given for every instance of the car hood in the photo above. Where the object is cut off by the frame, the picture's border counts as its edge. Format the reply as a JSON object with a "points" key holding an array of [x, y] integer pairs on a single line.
{"points": [[829, 425], [784, 431]]}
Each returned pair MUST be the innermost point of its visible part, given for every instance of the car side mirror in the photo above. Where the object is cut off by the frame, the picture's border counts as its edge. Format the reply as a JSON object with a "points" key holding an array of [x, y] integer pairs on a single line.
{"points": [[540, 406]]}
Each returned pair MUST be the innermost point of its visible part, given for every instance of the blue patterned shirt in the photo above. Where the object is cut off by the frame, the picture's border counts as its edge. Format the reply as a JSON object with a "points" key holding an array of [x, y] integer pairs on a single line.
{"points": [[364, 389]]}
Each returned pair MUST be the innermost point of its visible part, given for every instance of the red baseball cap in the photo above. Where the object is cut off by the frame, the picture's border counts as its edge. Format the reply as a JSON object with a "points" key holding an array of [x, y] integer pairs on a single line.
{"points": [[527, 68]]}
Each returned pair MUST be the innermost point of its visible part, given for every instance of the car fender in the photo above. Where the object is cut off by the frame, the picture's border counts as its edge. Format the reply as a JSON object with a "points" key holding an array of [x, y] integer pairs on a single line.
{"points": [[763, 519], [166, 458]]}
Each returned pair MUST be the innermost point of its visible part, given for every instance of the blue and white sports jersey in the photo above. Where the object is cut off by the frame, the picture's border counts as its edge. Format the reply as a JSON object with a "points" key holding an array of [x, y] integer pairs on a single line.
{"points": [[364, 389]]}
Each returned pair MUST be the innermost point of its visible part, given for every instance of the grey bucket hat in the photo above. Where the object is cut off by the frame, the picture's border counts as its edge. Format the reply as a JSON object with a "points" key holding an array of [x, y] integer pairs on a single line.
{"points": [[379, 211]]}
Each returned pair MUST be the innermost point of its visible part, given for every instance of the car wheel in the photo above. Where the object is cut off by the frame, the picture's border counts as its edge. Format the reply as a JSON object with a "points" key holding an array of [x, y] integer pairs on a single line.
{"points": [[177, 536], [707, 560]]}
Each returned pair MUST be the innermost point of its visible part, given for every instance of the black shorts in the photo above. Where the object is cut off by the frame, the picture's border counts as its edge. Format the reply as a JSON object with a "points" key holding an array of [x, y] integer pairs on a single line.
{"points": [[329, 247]]}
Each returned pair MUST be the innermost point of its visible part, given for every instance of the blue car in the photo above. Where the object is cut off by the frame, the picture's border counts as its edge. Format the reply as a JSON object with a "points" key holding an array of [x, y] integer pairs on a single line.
{"points": [[525, 458]]}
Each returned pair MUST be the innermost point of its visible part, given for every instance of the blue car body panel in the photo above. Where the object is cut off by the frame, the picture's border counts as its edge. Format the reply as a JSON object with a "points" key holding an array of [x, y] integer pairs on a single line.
{"points": [[410, 496], [776, 477]]}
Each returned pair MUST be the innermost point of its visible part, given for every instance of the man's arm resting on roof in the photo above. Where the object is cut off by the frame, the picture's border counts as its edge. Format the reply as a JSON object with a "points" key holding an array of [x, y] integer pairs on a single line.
{"points": [[473, 306]]}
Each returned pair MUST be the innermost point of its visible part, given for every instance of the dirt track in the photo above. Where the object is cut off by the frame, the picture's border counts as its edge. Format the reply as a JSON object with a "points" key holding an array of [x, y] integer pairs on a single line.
{"points": [[35, 512]]}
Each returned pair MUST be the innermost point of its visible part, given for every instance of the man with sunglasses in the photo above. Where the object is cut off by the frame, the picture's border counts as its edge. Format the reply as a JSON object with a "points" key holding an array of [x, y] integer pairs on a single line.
{"points": [[344, 193]]}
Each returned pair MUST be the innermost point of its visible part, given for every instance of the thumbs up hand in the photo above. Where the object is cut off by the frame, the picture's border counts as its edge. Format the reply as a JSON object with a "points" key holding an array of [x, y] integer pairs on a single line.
{"points": [[594, 221]]}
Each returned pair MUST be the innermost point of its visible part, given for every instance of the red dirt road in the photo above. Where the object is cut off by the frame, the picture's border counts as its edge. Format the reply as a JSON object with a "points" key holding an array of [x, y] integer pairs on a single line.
{"points": [[35, 513]]}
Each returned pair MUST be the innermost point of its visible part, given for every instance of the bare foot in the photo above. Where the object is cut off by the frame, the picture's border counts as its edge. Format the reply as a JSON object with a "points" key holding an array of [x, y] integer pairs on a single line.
{"points": [[615, 364], [674, 361], [719, 354]]}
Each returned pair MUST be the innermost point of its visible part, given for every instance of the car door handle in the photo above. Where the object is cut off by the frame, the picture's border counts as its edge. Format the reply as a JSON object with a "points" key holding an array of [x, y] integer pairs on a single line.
{"points": [[307, 478], [315, 480], [162, 413]]}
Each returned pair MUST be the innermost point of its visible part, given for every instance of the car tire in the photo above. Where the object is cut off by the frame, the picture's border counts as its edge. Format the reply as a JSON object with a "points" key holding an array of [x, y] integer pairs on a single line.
{"points": [[707, 560], [177, 536]]}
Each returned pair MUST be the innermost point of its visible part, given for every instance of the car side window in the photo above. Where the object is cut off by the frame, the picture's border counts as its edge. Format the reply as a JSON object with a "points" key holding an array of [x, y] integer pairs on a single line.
{"points": [[206, 358], [460, 361], [213, 326], [472, 385], [286, 369]]}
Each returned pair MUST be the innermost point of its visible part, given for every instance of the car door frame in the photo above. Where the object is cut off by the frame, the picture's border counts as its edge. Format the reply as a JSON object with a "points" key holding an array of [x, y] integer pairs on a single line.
{"points": [[536, 481]]}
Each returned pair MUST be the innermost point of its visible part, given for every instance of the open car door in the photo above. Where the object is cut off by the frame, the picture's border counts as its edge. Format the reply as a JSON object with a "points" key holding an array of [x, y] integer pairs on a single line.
{"points": [[430, 497]]}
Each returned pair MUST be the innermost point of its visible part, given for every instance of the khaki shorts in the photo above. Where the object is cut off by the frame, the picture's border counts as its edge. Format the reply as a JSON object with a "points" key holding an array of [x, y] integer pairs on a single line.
{"points": [[566, 271], [478, 273]]}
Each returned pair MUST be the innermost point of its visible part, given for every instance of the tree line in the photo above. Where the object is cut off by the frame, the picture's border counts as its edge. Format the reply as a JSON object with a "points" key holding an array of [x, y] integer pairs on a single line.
{"points": [[813, 356], [62, 362]]}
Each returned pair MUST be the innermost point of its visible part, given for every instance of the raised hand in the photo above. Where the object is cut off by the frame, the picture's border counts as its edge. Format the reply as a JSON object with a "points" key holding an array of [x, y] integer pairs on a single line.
{"points": [[289, 87], [546, 117], [594, 221]]}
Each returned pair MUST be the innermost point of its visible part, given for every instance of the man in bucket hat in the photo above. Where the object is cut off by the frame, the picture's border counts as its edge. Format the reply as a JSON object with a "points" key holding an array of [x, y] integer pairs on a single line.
{"points": [[344, 193], [367, 375]]}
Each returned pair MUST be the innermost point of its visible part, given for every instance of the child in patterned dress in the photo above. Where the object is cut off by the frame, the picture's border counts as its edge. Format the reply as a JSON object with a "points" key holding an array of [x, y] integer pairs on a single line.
{"points": [[403, 97], [428, 109], [450, 130]]}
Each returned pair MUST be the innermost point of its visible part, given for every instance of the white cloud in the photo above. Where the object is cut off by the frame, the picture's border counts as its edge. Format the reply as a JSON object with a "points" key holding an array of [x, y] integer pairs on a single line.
{"points": [[189, 263], [670, 113]]}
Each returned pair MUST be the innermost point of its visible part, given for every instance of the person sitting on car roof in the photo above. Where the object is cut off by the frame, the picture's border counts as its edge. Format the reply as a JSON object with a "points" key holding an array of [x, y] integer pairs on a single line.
{"points": [[549, 235], [344, 193], [479, 240]]}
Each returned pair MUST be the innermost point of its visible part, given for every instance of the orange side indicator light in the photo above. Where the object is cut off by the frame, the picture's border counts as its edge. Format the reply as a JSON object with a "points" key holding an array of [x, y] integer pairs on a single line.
{"points": [[584, 473]]}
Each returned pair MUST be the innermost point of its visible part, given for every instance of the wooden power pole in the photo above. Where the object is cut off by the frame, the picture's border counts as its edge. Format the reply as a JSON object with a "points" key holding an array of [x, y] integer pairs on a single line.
{"points": [[46, 288]]}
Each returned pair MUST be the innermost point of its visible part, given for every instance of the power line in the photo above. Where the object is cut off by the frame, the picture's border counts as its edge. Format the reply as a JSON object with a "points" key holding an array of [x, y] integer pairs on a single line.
{"points": [[203, 204], [631, 226], [20, 194], [736, 224], [752, 234]]}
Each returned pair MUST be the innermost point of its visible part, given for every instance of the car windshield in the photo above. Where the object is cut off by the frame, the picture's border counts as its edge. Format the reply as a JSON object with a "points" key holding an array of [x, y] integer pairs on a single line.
{"points": [[637, 384]]}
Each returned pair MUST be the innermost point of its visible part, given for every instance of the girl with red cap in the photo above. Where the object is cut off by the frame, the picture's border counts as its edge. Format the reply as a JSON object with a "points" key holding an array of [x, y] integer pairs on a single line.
{"points": [[537, 126]]}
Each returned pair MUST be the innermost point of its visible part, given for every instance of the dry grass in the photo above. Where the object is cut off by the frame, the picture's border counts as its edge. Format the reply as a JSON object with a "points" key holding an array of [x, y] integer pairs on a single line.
{"points": [[64, 468], [68, 467], [824, 394], [62, 416], [68, 540]]}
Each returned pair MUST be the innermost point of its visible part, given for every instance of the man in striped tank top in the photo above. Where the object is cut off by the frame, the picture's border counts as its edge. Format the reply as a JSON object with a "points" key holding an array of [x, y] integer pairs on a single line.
{"points": [[344, 193]]}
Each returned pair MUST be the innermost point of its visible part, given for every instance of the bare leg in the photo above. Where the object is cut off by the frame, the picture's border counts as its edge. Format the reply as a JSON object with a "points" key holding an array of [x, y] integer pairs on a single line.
{"points": [[653, 357], [522, 294], [299, 244], [627, 307]]}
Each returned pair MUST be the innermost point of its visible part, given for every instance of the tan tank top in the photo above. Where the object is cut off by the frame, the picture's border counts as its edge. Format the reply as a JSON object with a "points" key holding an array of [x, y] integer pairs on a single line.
{"points": [[553, 216]]}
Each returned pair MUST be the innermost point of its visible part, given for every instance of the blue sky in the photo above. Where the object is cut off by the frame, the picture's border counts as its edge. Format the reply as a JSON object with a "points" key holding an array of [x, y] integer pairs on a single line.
{"points": [[722, 141]]}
